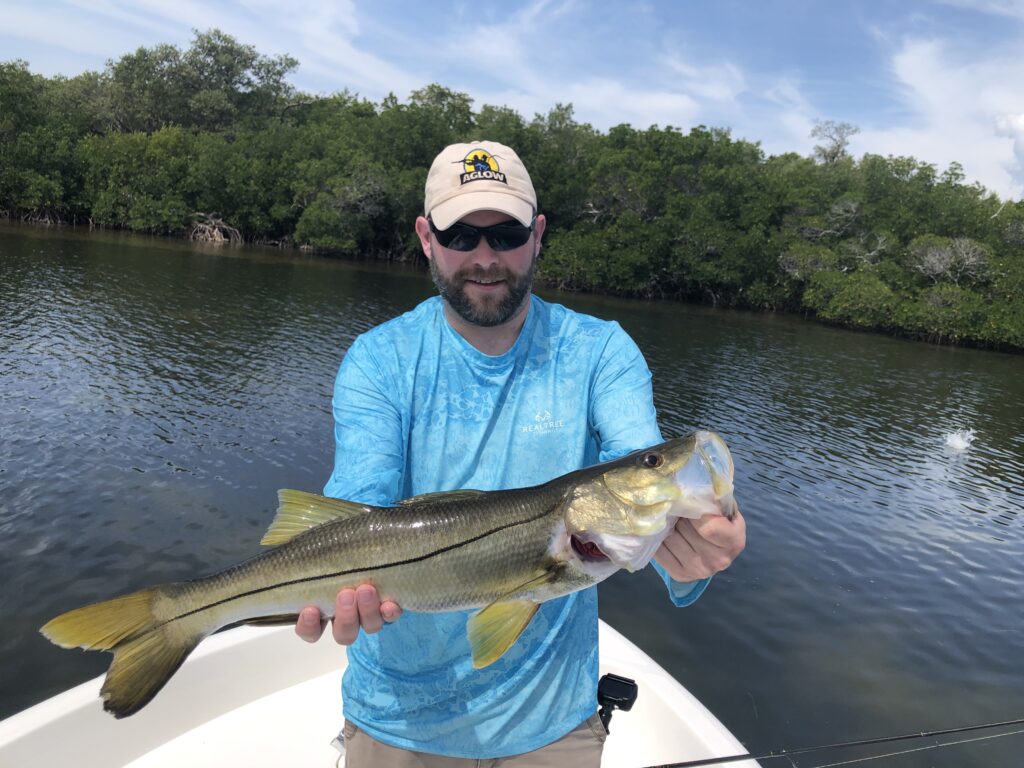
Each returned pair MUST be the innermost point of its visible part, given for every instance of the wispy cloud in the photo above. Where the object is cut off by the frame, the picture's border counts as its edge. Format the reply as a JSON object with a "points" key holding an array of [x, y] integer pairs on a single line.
{"points": [[76, 35], [724, 82], [962, 110], [1012, 8]]}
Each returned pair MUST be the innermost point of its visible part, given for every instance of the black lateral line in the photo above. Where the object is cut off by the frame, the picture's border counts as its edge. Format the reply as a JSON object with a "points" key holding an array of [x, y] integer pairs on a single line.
{"points": [[338, 574]]}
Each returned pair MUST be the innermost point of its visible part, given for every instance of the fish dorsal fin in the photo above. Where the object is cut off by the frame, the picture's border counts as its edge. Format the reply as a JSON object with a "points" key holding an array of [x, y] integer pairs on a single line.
{"points": [[467, 493], [493, 630], [298, 511]]}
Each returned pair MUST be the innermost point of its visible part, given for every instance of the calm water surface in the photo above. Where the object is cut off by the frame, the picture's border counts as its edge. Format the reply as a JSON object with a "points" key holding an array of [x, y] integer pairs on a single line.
{"points": [[153, 397]]}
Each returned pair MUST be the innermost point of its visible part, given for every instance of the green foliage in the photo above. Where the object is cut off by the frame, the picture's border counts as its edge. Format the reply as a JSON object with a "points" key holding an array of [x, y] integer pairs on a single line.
{"points": [[349, 212], [163, 136], [215, 84], [859, 300], [946, 313], [38, 176], [138, 181]]}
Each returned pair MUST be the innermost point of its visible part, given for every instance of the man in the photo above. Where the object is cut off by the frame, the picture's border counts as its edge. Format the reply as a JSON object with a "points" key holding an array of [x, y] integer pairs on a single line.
{"points": [[487, 387]]}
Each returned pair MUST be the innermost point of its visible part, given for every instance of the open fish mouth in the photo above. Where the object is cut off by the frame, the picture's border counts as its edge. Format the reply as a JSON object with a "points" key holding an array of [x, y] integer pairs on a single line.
{"points": [[588, 551]]}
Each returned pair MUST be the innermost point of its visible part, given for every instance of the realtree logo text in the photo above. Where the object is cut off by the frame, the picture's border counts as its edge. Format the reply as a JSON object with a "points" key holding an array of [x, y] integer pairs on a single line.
{"points": [[480, 165], [544, 422]]}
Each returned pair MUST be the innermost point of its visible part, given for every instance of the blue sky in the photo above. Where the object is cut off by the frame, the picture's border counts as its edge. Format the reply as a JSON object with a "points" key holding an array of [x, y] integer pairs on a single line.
{"points": [[940, 80]]}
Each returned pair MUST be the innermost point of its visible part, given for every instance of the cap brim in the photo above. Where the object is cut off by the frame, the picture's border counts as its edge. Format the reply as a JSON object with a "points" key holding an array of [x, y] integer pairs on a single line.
{"points": [[447, 213]]}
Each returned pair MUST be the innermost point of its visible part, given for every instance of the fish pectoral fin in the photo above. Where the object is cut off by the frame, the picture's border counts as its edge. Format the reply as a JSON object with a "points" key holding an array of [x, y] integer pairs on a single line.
{"points": [[494, 629], [298, 511], [466, 493]]}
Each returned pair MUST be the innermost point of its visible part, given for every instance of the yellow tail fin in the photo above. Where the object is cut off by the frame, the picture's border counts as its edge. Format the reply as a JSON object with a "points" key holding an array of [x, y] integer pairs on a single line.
{"points": [[147, 650], [102, 626]]}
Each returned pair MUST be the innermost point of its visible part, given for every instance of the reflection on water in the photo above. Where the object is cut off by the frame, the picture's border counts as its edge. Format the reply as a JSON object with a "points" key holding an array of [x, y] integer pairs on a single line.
{"points": [[154, 396]]}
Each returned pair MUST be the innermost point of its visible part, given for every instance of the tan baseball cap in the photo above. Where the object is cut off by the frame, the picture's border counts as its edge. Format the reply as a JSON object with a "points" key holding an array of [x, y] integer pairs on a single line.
{"points": [[479, 176]]}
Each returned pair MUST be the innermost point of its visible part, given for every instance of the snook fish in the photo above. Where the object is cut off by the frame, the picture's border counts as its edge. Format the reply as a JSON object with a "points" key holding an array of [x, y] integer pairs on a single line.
{"points": [[502, 551]]}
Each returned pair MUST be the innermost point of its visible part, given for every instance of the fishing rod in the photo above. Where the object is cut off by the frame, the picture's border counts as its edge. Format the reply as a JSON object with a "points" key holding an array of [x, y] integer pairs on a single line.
{"points": [[863, 742]]}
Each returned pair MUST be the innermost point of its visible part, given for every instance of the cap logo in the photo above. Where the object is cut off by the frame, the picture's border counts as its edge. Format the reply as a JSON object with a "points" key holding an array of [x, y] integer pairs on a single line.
{"points": [[481, 165]]}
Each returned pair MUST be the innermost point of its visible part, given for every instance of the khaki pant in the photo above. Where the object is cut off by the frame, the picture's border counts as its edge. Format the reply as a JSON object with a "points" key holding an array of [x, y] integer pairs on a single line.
{"points": [[580, 748]]}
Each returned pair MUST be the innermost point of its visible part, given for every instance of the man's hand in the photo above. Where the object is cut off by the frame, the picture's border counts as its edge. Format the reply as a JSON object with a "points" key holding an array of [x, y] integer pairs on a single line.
{"points": [[696, 549], [353, 608]]}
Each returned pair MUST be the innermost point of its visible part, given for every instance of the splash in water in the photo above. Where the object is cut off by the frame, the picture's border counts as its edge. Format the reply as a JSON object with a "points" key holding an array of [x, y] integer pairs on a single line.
{"points": [[960, 440]]}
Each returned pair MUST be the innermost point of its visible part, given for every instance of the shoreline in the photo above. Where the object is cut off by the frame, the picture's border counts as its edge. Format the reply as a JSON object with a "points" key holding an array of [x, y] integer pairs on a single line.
{"points": [[415, 261]]}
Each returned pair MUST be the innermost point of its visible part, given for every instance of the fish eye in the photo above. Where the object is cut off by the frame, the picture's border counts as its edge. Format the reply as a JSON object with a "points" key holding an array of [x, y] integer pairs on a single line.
{"points": [[652, 460]]}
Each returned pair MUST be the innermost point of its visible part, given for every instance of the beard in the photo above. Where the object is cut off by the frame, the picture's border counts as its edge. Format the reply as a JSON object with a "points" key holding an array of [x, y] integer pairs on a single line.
{"points": [[487, 311]]}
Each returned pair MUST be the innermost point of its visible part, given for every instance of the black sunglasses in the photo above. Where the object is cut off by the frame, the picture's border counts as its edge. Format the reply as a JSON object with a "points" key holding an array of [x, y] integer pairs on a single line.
{"points": [[501, 237]]}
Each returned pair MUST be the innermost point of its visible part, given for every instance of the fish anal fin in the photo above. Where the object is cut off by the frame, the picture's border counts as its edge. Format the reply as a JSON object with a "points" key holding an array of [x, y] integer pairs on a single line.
{"points": [[466, 493], [298, 511], [494, 629]]}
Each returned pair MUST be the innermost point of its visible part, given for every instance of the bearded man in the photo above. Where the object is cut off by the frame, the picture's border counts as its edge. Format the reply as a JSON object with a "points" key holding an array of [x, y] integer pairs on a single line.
{"points": [[487, 386]]}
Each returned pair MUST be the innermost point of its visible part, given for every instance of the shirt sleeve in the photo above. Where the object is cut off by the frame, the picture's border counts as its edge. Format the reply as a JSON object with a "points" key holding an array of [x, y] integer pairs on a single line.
{"points": [[368, 432], [624, 418], [622, 403], [681, 593]]}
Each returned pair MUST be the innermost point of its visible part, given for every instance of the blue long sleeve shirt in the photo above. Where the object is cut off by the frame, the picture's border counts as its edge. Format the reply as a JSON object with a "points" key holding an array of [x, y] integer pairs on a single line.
{"points": [[418, 409]]}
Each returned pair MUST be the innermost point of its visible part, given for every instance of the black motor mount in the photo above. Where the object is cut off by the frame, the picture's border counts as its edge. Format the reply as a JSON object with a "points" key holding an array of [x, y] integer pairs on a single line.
{"points": [[614, 692]]}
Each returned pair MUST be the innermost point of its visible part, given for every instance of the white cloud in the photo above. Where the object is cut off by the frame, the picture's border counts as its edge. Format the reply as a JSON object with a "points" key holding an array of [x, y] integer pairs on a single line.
{"points": [[606, 102], [1012, 126], [958, 107], [76, 35], [716, 82], [112, 11], [793, 113], [545, 53], [1013, 8]]}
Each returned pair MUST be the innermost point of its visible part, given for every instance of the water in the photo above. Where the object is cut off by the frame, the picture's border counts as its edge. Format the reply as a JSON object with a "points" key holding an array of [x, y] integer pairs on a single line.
{"points": [[153, 397]]}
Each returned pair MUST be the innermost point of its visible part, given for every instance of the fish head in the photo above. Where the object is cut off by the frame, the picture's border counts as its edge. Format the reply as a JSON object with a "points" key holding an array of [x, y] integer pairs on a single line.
{"points": [[624, 512]]}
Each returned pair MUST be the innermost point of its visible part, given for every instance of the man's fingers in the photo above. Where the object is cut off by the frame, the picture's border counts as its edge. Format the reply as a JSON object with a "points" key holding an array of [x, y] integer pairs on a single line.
{"points": [[696, 549], [728, 535], [310, 624], [345, 626], [390, 611], [368, 605], [678, 557], [353, 609]]}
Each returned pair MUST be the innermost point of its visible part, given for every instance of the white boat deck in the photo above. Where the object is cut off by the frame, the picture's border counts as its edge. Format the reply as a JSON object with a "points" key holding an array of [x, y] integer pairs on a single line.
{"points": [[259, 698]]}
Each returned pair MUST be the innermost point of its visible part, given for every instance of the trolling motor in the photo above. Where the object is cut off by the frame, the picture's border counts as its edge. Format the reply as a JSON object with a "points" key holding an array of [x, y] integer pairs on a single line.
{"points": [[614, 692]]}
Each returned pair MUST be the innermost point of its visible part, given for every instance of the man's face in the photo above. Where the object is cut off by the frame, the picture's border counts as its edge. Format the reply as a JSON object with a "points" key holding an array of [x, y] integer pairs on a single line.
{"points": [[483, 286]]}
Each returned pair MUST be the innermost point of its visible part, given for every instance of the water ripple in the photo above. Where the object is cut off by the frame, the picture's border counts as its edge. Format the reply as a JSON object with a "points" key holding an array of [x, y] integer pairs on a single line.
{"points": [[153, 398]]}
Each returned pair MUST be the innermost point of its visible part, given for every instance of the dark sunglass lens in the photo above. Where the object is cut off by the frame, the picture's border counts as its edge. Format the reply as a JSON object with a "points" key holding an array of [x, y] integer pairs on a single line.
{"points": [[458, 237], [506, 237], [464, 237]]}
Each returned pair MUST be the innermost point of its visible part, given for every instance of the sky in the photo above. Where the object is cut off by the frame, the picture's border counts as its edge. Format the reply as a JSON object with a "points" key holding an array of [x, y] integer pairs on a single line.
{"points": [[938, 80]]}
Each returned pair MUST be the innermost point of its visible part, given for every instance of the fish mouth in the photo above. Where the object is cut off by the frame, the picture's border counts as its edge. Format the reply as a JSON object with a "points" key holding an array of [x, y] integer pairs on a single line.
{"points": [[587, 551]]}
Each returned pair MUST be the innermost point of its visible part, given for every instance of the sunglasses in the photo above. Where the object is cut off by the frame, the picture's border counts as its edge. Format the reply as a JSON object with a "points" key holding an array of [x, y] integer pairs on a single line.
{"points": [[505, 236]]}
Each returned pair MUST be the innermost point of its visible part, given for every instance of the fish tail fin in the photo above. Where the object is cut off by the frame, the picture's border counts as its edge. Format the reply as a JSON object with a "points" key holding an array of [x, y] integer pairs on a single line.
{"points": [[147, 649], [143, 665], [104, 626]]}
